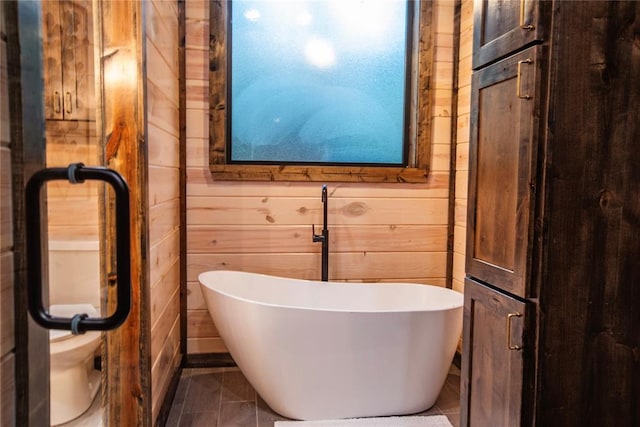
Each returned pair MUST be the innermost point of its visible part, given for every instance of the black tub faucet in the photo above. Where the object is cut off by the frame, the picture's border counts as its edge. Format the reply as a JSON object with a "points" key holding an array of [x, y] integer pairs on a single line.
{"points": [[324, 237]]}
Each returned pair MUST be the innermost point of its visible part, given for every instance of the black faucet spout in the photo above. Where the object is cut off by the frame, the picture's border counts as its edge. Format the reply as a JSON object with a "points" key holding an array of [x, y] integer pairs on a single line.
{"points": [[324, 236]]}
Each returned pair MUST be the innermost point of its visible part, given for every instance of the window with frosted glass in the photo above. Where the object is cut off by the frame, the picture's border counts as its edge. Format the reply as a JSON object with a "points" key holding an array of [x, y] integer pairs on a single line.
{"points": [[318, 82]]}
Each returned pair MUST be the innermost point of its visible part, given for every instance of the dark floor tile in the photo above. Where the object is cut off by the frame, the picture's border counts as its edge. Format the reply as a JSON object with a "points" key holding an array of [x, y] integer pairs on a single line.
{"points": [[267, 416], [181, 391], [203, 393], [236, 388], [173, 420], [199, 419], [238, 414], [212, 397]]}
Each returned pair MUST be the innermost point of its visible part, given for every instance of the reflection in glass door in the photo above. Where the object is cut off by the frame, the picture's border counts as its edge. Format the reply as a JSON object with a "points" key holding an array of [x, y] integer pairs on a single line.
{"points": [[73, 210]]}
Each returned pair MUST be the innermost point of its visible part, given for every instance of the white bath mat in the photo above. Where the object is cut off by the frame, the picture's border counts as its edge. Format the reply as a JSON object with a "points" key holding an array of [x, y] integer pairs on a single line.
{"points": [[416, 421]]}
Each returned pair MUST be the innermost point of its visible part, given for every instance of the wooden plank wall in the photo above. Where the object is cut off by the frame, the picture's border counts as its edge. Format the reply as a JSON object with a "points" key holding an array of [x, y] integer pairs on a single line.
{"points": [[379, 232], [7, 343], [163, 129], [462, 143], [72, 210]]}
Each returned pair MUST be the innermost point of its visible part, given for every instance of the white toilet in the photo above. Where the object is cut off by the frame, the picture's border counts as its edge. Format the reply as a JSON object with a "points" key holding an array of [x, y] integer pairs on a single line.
{"points": [[74, 381]]}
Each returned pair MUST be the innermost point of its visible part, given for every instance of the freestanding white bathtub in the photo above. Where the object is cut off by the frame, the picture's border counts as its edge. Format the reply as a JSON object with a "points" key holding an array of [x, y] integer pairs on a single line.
{"points": [[324, 350]]}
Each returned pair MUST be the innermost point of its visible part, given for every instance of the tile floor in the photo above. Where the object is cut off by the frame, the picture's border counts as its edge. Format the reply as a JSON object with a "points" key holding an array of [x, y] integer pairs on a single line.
{"points": [[222, 397]]}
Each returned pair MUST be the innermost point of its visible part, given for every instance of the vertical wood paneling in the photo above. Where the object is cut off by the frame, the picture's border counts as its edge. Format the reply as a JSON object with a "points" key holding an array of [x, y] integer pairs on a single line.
{"points": [[220, 214], [164, 193]]}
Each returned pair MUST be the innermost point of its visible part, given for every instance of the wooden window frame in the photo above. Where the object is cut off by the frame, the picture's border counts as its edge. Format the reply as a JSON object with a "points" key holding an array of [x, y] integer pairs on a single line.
{"points": [[419, 117]]}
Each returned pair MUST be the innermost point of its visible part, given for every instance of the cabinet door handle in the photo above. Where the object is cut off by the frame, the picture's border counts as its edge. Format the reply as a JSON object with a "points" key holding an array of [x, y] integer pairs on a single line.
{"points": [[524, 26], [518, 78], [67, 103], [57, 103], [509, 345]]}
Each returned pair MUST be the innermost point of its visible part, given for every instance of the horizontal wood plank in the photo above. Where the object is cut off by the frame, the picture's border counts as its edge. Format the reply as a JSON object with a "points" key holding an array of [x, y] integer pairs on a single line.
{"points": [[344, 266], [282, 210], [163, 255], [200, 183], [162, 290], [206, 345], [164, 367], [200, 325], [298, 239], [163, 148], [160, 330], [164, 184], [164, 219]]}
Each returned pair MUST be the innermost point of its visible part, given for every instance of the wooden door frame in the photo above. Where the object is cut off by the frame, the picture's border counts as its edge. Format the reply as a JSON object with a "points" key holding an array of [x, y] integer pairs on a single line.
{"points": [[121, 127]]}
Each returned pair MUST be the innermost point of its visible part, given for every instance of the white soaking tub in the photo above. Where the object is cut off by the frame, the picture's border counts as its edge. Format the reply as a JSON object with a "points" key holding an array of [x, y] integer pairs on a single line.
{"points": [[323, 350]]}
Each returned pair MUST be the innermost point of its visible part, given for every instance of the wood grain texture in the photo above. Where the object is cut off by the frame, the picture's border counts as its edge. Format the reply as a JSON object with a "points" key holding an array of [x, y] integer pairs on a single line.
{"points": [[502, 179], [280, 210], [5, 120], [7, 390], [7, 321], [592, 373], [289, 238], [166, 363], [163, 132], [498, 30], [492, 386], [352, 265], [422, 100], [584, 269], [6, 204], [362, 215], [127, 353], [164, 191]]}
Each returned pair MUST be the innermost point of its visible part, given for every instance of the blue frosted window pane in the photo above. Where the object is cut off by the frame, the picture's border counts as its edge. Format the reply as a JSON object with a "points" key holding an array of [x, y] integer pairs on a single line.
{"points": [[318, 81]]}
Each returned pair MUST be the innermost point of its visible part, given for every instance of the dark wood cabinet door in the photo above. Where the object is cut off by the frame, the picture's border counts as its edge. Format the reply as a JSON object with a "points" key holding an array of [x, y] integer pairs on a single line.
{"points": [[505, 104], [501, 27], [493, 358], [68, 60]]}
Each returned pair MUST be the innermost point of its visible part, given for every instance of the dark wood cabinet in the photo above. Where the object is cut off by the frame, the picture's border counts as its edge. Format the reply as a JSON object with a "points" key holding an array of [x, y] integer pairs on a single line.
{"points": [[502, 180], [503, 26], [551, 331], [68, 60], [493, 380]]}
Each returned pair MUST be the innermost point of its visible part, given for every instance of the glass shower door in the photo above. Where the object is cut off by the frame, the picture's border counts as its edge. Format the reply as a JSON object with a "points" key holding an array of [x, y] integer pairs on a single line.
{"points": [[73, 211]]}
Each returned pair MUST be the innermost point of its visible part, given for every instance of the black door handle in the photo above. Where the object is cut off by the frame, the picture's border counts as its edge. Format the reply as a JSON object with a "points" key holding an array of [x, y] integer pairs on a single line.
{"points": [[77, 173]]}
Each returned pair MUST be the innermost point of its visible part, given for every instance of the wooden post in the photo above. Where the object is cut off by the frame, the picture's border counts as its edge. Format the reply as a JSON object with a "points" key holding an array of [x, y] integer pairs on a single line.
{"points": [[126, 359]]}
